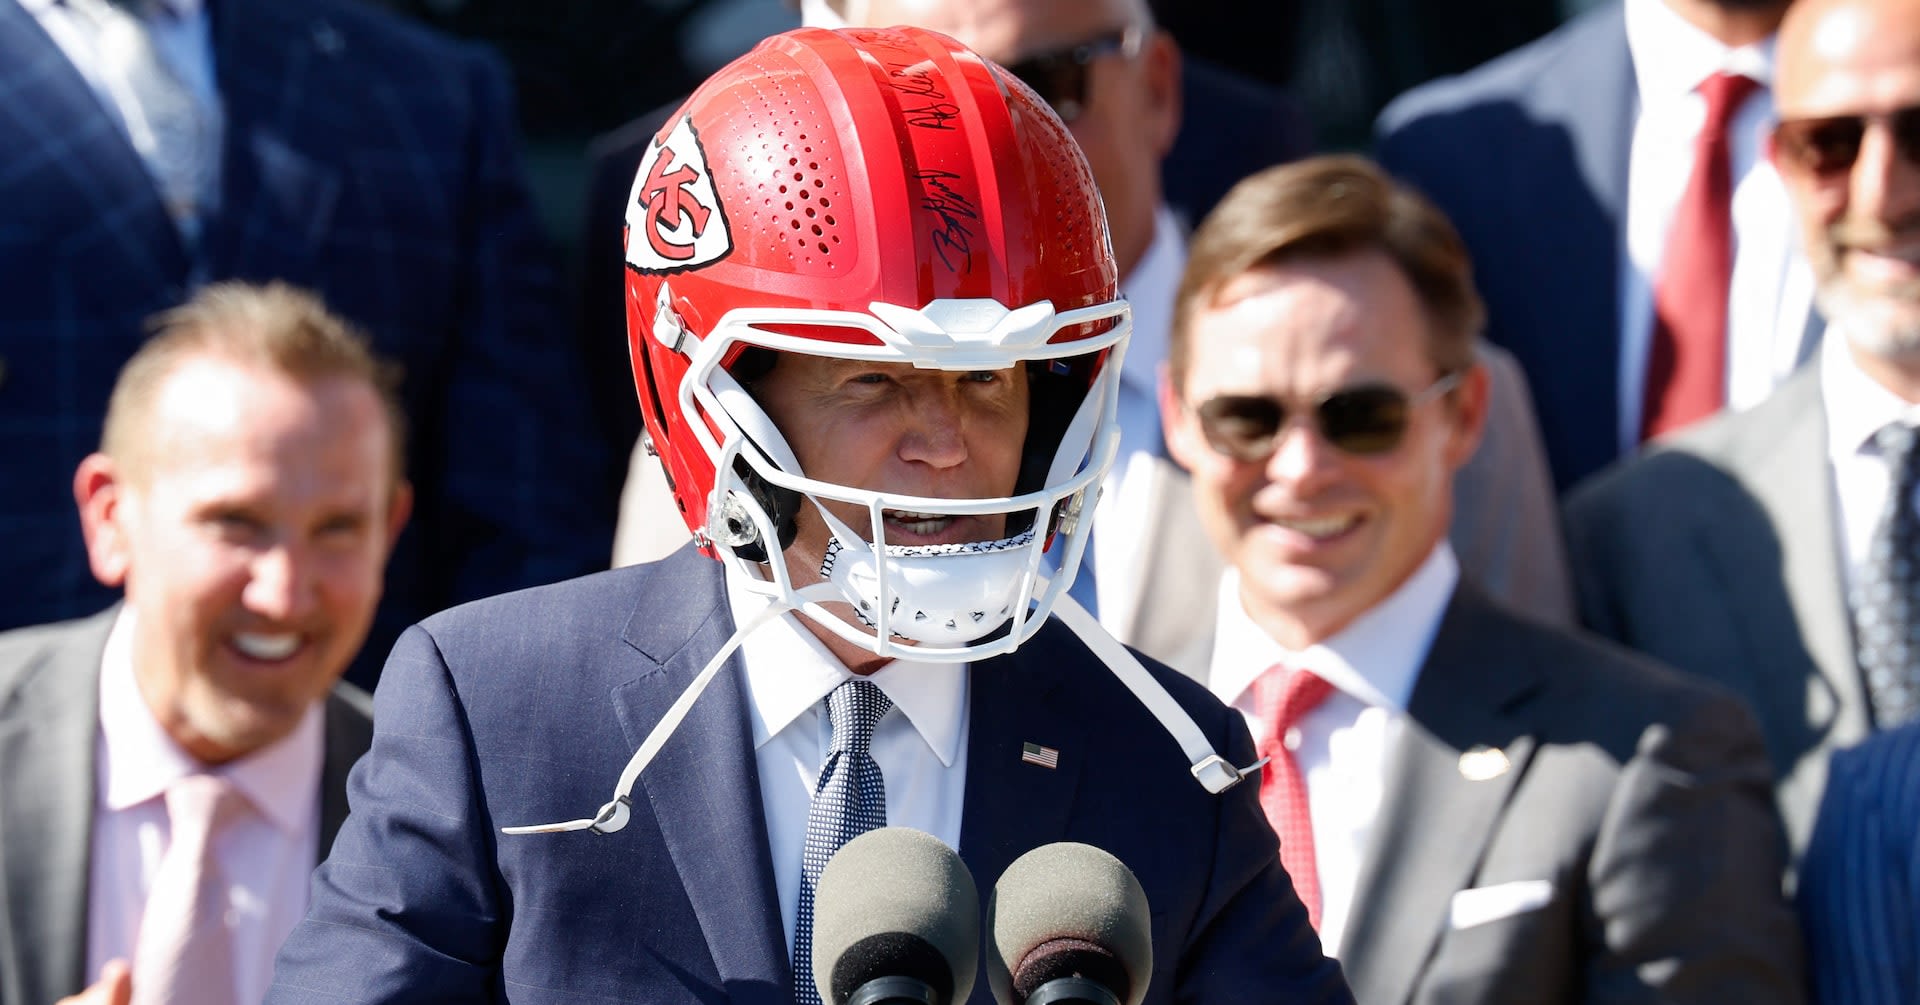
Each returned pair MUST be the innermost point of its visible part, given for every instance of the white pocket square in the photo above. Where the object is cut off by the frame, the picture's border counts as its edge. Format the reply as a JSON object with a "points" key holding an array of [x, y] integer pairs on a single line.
{"points": [[1504, 900]]}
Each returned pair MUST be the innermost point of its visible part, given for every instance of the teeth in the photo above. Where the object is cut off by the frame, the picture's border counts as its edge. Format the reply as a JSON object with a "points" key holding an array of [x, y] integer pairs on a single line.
{"points": [[918, 523], [1321, 528], [266, 647]]}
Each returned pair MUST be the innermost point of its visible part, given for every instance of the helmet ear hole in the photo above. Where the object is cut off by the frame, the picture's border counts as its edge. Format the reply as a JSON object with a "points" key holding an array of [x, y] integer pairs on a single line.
{"points": [[1053, 398], [782, 507]]}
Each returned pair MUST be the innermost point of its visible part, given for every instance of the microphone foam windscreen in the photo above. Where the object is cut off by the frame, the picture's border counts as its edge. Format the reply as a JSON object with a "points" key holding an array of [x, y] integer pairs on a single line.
{"points": [[895, 902], [1057, 898]]}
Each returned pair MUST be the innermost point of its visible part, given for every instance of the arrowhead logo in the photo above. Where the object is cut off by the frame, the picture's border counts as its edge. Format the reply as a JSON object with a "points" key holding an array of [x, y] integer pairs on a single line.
{"points": [[674, 219]]}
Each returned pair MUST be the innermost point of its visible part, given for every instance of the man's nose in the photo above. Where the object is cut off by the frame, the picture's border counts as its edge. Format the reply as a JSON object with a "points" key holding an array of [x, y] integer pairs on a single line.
{"points": [[936, 429], [1300, 455], [1885, 184], [279, 585]]}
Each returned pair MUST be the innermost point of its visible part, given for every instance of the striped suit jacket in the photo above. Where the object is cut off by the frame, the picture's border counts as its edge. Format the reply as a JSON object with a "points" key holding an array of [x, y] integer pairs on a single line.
{"points": [[1860, 881], [365, 158]]}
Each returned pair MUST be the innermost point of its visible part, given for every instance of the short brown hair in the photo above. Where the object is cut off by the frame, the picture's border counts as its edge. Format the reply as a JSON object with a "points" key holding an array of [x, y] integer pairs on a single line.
{"points": [[1330, 207], [276, 326]]}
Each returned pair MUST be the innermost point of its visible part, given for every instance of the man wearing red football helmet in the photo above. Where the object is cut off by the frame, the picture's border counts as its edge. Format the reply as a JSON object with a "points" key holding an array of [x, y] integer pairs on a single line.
{"points": [[876, 333]]}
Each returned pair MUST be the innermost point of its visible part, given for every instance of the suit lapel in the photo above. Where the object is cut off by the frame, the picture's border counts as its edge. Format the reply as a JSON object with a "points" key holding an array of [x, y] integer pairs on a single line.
{"points": [[1013, 806], [278, 200], [1790, 483], [703, 786], [46, 807], [1435, 821], [349, 732], [1172, 617]]}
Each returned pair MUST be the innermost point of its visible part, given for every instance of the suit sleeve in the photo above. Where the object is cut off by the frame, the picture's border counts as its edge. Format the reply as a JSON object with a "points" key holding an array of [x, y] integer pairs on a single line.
{"points": [[1251, 940], [1857, 893], [408, 906], [1685, 876], [524, 468]]}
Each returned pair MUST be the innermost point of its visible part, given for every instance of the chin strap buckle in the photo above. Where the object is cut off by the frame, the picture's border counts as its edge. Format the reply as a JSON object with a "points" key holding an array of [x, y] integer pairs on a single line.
{"points": [[1217, 775]]}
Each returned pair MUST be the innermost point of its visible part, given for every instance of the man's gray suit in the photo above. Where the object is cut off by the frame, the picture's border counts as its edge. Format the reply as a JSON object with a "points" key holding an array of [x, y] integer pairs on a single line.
{"points": [[1639, 797], [49, 715], [1717, 553]]}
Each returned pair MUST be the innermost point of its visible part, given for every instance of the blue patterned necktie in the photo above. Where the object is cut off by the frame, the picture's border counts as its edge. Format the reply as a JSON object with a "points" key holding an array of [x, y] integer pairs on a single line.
{"points": [[849, 800], [1885, 625], [176, 137]]}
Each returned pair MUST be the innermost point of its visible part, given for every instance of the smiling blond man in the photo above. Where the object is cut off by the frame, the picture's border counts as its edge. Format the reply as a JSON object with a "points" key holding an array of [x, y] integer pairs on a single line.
{"points": [[245, 497]]}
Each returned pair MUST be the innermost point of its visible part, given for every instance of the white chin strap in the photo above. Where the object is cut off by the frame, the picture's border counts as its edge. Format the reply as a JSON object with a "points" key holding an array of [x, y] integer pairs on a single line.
{"points": [[1208, 767], [938, 595]]}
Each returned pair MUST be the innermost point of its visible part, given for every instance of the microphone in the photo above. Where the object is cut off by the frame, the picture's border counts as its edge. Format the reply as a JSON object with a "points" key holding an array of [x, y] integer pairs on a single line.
{"points": [[1068, 925], [896, 921]]}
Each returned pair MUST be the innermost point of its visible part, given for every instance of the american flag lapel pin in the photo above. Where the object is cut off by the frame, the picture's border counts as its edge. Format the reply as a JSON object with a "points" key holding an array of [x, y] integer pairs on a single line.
{"points": [[1033, 753]]}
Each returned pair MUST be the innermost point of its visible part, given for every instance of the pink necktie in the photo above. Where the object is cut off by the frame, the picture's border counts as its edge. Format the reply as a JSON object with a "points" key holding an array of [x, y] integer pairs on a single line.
{"points": [[185, 952], [1687, 362], [1284, 697]]}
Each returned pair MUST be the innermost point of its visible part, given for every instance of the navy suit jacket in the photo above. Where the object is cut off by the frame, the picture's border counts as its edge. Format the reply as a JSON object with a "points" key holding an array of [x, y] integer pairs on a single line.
{"points": [[1527, 155], [365, 158], [523, 709], [1860, 880]]}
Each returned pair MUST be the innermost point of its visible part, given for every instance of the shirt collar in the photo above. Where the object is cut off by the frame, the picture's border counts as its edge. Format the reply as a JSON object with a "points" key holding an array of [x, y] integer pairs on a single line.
{"points": [[1857, 405], [1150, 289], [1671, 56], [139, 761], [1375, 660], [789, 671]]}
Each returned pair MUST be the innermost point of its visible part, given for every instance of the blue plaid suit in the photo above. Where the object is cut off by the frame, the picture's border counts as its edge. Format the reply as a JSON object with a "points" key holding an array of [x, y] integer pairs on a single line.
{"points": [[365, 158]]}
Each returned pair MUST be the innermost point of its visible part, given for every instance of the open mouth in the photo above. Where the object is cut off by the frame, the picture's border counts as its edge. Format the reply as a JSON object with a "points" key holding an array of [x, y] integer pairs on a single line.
{"points": [[917, 524], [267, 647], [1321, 528]]}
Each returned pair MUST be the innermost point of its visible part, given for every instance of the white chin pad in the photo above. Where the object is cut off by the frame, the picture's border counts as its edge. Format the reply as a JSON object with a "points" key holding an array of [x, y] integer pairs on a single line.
{"points": [[945, 594]]}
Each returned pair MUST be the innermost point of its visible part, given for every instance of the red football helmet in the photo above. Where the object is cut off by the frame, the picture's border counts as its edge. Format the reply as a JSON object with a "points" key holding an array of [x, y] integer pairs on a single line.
{"points": [[880, 195]]}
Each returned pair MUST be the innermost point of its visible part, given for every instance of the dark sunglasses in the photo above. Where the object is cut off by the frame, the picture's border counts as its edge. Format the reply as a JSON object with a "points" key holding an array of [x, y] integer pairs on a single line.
{"points": [[1364, 420], [1060, 76], [1823, 147]]}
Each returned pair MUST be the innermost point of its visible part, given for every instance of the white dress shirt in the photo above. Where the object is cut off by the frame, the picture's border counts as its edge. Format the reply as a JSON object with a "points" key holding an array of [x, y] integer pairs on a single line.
{"points": [[1121, 515], [1772, 287], [267, 855], [1857, 407], [1345, 743], [920, 744]]}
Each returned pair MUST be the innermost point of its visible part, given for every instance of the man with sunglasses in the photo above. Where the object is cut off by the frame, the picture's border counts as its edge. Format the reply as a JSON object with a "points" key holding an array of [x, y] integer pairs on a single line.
{"points": [[1796, 515], [1474, 806]]}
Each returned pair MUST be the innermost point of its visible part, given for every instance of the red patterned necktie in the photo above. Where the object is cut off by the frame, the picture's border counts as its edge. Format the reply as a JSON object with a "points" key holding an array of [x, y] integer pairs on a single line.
{"points": [[1284, 698], [1687, 362]]}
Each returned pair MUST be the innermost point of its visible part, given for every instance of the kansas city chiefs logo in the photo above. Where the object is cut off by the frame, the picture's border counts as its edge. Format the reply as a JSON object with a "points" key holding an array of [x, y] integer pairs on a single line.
{"points": [[674, 220]]}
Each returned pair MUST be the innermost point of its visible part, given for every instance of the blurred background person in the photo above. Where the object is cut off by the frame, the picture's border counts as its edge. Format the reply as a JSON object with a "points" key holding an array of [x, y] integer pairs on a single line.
{"points": [[172, 768], [1632, 243], [156, 147], [1475, 807], [1773, 550]]}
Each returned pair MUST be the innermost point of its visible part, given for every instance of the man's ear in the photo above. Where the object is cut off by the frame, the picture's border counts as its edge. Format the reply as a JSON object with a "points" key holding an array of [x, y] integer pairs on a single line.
{"points": [[1177, 426], [99, 489], [1469, 404], [398, 509], [1161, 57]]}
